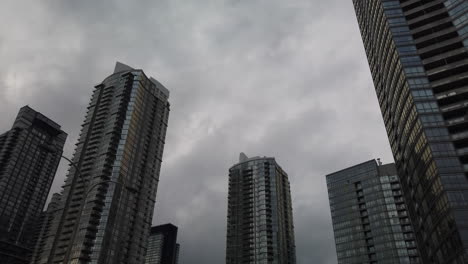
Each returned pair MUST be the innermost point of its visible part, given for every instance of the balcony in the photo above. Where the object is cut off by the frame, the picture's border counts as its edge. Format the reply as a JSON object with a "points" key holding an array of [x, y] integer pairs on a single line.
{"points": [[454, 106], [459, 136]]}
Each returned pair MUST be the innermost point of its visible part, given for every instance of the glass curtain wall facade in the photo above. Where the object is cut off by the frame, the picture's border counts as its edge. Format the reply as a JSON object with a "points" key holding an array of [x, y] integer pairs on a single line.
{"points": [[29, 155], [418, 57], [106, 209], [260, 221], [162, 245], [369, 215], [154, 252]]}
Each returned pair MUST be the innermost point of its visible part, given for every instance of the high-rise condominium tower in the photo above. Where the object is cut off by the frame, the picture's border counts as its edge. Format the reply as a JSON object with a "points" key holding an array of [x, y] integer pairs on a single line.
{"points": [[260, 221], [370, 219], [418, 56], [106, 209], [29, 155], [162, 245]]}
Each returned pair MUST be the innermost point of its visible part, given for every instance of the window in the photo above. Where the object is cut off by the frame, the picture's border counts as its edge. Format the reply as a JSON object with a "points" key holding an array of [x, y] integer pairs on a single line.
{"points": [[447, 164], [432, 120], [406, 50], [426, 107], [450, 3], [397, 20], [391, 4], [414, 70], [463, 30], [437, 133], [458, 198], [442, 149], [463, 8], [409, 60], [461, 20], [422, 93], [418, 82], [393, 12], [403, 29]]}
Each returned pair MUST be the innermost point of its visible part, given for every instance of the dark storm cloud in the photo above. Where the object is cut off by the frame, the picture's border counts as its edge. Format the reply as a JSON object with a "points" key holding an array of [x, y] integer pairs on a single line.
{"points": [[277, 78]]}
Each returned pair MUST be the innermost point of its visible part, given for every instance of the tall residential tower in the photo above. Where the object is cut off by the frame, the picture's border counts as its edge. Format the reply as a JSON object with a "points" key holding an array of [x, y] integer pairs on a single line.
{"points": [[260, 221], [29, 155], [162, 245], [418, 56], [369, 214], [104, 214]]}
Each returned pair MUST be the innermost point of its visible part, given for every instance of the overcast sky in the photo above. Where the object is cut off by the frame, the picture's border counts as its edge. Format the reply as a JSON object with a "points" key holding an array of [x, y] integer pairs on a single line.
{"points": [[278, 78]]}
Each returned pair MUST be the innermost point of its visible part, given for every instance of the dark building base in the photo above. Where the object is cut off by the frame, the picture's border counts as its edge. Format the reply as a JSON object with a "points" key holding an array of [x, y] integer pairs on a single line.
{"points": [[12, 254]]}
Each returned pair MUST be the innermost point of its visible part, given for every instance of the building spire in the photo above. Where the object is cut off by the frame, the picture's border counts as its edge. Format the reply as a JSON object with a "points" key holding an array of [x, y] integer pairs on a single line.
{"points": [[243, 157], [122, 67]]}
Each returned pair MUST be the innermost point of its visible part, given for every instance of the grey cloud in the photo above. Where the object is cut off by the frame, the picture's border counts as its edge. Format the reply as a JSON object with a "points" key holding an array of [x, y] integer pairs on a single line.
{"points": [[275, 78]]}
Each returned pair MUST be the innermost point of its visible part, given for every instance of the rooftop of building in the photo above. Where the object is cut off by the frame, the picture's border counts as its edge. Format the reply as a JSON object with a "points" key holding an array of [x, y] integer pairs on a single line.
{"points": [[121, 67], [372, 161], [28, 116], [243, 158], [163, 228], [382, 169]]}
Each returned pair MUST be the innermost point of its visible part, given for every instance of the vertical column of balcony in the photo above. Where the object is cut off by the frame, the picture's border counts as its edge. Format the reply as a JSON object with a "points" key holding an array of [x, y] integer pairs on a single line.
{"points": [[102, 199], [287, 245], [248, 220], [437, 28]]}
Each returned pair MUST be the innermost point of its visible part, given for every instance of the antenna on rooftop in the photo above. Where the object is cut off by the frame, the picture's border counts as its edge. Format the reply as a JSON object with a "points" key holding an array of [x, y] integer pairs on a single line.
{"points": [[379, 162]]}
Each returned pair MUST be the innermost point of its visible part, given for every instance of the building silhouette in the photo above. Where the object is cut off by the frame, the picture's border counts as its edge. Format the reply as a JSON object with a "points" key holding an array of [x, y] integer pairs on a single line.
{"points": [[177, 253], [29, 155], [106, 208], [418, 56], [162, 245], [43, 227], [260, 221], [369, 214]]}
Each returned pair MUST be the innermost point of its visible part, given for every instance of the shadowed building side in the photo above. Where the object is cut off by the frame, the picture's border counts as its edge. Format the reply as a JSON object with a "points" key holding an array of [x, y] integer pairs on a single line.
{"points": [[44, 226], [29, 156], [162, 245]]}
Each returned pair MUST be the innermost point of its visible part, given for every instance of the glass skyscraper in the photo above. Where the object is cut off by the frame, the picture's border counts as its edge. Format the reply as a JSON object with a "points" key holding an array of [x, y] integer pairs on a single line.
{"points": [[107, 202], [162, 245], [418, 57], [29, 155], [260, 221], [369, 214]]}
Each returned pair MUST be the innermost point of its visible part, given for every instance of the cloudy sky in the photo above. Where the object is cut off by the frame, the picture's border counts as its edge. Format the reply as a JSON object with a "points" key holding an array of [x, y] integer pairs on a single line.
{"points": [[287, 79]]}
